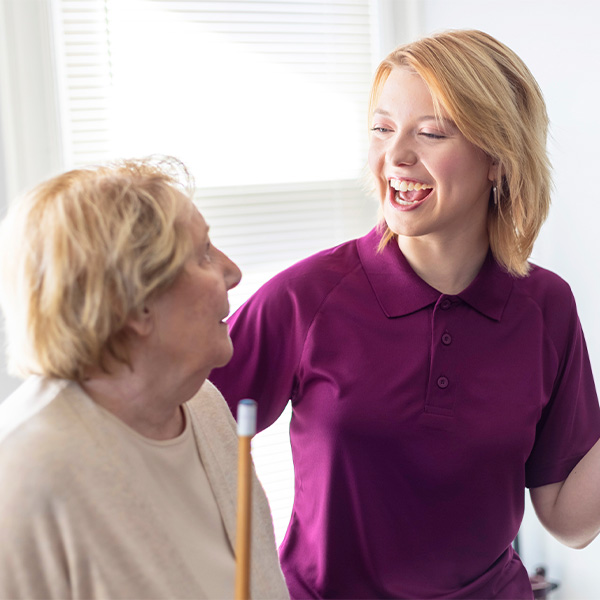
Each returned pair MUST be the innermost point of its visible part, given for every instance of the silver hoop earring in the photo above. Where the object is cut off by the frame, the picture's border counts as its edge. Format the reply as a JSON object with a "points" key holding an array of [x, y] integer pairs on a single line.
{"points": [[495, 194]]}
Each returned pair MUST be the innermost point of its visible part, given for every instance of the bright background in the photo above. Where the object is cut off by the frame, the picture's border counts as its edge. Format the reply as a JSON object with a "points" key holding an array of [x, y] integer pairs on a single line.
{"points": [[265, 102]]}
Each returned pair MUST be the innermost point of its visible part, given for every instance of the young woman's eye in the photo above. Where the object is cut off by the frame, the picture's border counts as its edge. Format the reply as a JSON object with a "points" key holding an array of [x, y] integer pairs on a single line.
{"points": [[432, 136], [380, 129]]}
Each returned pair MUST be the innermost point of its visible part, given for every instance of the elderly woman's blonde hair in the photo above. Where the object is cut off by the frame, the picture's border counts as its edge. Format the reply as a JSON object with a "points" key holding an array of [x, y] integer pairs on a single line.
{"points": [[496, 103], [83, 252]]}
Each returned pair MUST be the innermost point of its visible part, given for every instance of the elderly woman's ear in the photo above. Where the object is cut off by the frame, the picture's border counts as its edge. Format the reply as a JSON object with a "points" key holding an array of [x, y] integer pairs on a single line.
{"points": [[140, 323]]}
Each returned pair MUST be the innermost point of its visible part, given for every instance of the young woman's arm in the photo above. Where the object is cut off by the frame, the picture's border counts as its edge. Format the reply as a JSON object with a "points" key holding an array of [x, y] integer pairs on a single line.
{"points": [[570, 509]]}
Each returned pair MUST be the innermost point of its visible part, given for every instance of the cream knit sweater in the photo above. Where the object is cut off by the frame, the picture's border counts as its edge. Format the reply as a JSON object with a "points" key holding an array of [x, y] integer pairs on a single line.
{"points": [[75, 521]]}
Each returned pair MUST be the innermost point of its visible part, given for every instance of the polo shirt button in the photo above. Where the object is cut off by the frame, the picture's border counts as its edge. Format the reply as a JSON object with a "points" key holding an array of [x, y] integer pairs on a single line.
{"points": [[446, 339], [445, 304], [442, 382]]}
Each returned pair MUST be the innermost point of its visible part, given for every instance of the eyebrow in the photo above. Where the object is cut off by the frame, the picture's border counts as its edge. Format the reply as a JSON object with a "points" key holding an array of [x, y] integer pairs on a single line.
{"points": [[385, 113], [203, 238]]}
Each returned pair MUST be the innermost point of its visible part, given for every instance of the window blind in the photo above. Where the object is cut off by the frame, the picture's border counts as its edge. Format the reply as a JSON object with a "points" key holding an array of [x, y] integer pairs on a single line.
{"points": [[264, 101]]}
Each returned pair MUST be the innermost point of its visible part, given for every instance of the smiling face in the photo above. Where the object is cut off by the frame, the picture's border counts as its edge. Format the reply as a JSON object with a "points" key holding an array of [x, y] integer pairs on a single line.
{"points": [[189, 331], [431, 180]]}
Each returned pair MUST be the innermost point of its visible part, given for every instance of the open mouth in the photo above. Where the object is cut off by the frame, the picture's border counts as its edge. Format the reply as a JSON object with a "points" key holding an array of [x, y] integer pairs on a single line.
{"points": [[409, 193]]}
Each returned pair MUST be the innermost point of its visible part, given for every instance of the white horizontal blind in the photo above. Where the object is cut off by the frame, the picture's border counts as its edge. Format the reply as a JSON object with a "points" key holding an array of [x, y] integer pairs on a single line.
{"points": [[84, 69], [266, 104], [267, 228], [213, 82], [264, 101]]}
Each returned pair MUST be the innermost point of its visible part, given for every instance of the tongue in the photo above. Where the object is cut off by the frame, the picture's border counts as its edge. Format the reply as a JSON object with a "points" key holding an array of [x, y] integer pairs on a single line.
{"points": [[414, 196]]}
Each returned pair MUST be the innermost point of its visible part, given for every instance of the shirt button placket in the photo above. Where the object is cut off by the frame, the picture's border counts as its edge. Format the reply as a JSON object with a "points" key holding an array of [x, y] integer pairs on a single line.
{"points": [[445, 304], [440, 396], [442, 382]]}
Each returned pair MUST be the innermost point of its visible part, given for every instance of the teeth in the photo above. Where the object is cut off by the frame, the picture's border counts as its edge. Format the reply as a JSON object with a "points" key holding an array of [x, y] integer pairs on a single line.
{"points": [[408, 186], [404, 202]]}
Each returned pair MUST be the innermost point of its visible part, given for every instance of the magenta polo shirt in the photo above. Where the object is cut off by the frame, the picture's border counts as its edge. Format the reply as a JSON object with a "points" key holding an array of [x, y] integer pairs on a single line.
{"points": [[418, 418]]}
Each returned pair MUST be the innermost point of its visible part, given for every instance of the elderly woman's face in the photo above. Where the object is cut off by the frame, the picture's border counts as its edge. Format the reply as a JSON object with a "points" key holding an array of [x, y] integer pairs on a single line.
{"points": [[189, 316]]}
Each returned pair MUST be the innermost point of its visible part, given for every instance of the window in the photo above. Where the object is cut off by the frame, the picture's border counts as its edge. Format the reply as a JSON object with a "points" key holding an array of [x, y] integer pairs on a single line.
{"points": [[265, 102]]}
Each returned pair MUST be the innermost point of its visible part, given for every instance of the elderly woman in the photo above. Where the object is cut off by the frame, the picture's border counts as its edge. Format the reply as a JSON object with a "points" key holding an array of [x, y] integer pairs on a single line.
{"points": [[117, 457]]}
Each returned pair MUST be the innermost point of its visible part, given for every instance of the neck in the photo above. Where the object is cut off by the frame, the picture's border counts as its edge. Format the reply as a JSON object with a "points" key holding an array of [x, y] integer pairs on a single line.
{"points": [[448, 267], [137, 401]]}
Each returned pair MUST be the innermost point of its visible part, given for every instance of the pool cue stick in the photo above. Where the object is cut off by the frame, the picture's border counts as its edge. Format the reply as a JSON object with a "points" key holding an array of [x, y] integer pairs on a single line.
{"points": [[246, 428]]}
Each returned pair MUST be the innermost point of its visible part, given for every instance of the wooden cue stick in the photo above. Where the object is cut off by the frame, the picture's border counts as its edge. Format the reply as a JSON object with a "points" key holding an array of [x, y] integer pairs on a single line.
{"points": [[246, 428]]}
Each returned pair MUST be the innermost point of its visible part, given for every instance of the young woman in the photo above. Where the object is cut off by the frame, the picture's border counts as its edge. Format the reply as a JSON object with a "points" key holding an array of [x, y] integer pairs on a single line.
{"points": [[434, 373], [118, 460]]}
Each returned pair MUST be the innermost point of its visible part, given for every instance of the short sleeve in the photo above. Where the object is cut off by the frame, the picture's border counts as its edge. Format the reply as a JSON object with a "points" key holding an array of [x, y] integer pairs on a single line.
{"points": [[570, 422], [268, 334]]}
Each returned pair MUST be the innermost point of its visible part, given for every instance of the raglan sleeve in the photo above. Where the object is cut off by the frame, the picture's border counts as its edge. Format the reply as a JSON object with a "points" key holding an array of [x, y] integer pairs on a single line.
{"points": [[268, 333], [570, 422]]}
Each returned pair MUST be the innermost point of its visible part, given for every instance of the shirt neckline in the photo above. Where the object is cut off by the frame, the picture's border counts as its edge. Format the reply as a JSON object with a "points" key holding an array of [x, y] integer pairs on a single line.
{"points": [[400, 291], [132, 433]]}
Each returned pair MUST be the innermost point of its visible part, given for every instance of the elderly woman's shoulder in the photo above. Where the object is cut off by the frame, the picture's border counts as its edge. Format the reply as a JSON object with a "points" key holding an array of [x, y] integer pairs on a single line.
{"points": [[210, 408], [24, 410], [41, 429]]}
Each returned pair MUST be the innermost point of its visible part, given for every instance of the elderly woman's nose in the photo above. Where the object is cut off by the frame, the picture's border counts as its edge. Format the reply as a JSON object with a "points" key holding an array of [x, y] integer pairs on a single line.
{"points": [[231, 271]]}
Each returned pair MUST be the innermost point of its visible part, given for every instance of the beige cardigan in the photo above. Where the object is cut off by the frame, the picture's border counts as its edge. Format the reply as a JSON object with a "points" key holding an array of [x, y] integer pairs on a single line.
{"points": [[74, 522]]}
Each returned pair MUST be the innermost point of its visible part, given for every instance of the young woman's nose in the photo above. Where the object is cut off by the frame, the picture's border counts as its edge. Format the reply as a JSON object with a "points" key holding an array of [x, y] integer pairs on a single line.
{"points": [[401, 151]]}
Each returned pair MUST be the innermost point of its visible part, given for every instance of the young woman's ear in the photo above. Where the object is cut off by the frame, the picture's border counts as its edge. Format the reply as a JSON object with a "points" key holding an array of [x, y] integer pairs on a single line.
{"points": [[140, 323], [494, 171]]}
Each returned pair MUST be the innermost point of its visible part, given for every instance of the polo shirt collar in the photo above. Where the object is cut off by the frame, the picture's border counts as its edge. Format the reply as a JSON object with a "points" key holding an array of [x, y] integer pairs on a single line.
{"points": [[490, 290], [400, 291]]}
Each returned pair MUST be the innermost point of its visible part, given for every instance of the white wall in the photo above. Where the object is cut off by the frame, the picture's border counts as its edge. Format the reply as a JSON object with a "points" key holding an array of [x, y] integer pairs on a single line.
{"points": [[29, 123], [559, 41], [7, 383]]}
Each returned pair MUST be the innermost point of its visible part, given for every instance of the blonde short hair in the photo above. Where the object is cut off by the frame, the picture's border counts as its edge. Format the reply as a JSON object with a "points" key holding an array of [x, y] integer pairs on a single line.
{"points": [[496, 103], [81, 253]]}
